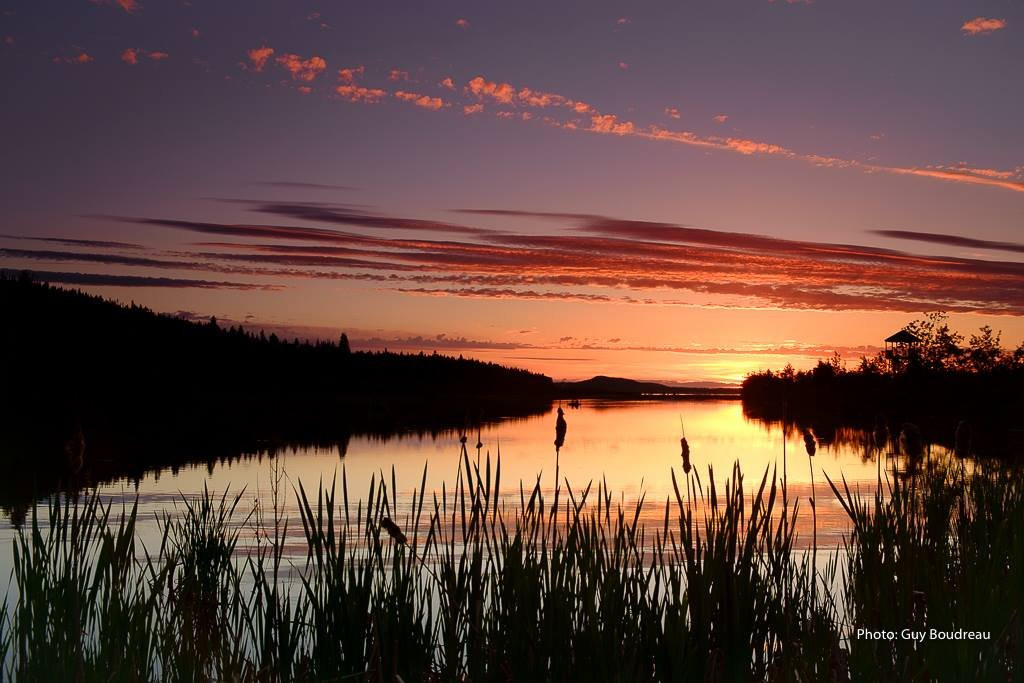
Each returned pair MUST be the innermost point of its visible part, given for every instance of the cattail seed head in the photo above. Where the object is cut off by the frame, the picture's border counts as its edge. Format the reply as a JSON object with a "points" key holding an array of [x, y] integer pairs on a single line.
{"points": [[394, 531]]}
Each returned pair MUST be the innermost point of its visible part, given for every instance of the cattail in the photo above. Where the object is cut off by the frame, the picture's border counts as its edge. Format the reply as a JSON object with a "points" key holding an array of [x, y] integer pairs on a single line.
{"points": [[393, 530], [560, 427], [809, 443], [684, 446], [479, 441]]}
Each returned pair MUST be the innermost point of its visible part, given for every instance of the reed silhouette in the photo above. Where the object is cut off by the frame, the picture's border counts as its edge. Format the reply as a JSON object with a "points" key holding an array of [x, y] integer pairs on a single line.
{"points": [[484, 586]]}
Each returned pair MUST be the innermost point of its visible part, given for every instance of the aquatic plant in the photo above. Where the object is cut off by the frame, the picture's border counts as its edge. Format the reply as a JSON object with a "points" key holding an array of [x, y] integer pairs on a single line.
{"points": [[476, 583]]}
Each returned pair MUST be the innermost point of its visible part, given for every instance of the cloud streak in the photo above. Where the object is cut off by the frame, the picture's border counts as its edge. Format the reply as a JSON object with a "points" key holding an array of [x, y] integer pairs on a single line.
{"points": [[305, 70], [982, 26], [104, 280], [952, 240], [68, 241], [424, 101], [604, 259], [567, 113]]}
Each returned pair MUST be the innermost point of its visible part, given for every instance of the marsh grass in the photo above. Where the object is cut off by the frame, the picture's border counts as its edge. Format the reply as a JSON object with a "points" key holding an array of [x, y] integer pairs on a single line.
{"points": [[460, 585]]}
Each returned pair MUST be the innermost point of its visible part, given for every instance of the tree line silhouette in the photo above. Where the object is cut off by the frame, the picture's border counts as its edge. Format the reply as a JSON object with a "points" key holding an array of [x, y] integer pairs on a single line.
{"points": [[937, 382], [137, 382]]}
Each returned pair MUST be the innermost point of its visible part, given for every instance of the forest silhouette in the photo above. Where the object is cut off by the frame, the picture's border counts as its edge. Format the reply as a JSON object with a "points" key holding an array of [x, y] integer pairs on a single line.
{"points": [[146, 389], [939, 383]]}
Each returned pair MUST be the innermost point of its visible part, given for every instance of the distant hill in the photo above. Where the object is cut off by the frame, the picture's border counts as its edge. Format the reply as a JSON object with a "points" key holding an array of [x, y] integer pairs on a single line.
{"points": [[614, 387]]}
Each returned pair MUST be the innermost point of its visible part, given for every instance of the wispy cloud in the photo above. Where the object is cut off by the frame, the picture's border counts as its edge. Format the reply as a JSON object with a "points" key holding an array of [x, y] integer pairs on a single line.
{"points": [[571, 114], [609, 123], [952, 240], [500, 92], [360, 94], [71, 242], [108, 259], [326, 213], [104, 280], [425, 101], [349, 74], [131, 55], [462, 23], [79, 58], [507, 293], [619, 260], [981, 26], [302, 69]]}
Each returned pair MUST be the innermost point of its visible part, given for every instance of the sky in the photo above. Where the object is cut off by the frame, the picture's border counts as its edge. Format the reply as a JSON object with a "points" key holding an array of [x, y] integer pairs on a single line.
{"points": [[680, 191]]}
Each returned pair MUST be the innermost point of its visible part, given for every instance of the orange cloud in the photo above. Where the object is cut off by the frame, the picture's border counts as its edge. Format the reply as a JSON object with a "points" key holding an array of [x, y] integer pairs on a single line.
{"points": [[80, 58], [536, 98], [754, 147], [721, 118], [622, 21], [462, 23], [472, 108], [502, 92], [300, 69], [962, 176], [672, 112], [980, 26], [349, 75], [305, 89], [623, 66], [651, 258], [356, 93], [447, 83], [194, 33], [259, 56], [398, 75], [609, 123], [131, 55], [425, 101], [506, 93]]}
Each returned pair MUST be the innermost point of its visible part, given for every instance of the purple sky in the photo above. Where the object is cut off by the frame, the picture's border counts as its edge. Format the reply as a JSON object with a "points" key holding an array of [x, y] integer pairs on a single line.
{"points": [[665, 190]]}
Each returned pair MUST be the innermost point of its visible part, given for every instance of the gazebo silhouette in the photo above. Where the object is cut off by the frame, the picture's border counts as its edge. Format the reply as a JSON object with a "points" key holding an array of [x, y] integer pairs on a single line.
{"points": [[899, 347]]}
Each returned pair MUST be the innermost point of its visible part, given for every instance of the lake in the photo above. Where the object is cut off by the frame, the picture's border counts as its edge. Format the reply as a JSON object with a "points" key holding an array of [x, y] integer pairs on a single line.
{"points": [[632, 445]]}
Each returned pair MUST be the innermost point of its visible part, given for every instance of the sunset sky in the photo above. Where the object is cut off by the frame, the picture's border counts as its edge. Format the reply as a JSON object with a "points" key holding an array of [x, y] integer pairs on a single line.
{"points": [[674, 191]]}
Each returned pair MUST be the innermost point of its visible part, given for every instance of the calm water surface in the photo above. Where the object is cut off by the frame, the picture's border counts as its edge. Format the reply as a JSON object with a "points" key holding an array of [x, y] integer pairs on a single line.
{"points": [[633, 445]]}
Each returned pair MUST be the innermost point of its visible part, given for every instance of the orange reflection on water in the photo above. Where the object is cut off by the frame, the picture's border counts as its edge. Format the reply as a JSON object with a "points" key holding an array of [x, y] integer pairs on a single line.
{"points": [[632, 446]]}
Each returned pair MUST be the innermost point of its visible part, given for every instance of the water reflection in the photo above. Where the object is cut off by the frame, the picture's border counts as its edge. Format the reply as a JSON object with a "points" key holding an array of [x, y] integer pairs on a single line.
{"points": [[632, 446]]}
